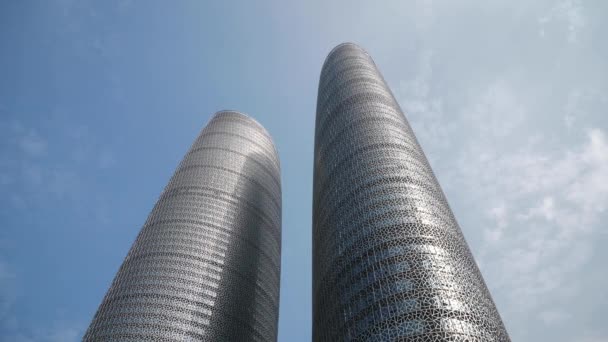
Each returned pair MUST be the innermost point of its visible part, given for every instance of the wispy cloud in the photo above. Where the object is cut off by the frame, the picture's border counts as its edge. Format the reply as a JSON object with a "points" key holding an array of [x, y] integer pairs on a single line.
{"points": [[556, 203], [31, 173], [58, 332], [65, 333], [32, 144], [569, 12], [425, 110], [550, 317], [7, 290], [106, 159], [534, 203], [46, 164], [12, 329], [597, 337]]}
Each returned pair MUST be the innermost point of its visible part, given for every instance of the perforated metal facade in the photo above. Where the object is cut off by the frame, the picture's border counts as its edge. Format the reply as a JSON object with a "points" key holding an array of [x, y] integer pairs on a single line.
{"points": [[389, 260], [206, 264]]}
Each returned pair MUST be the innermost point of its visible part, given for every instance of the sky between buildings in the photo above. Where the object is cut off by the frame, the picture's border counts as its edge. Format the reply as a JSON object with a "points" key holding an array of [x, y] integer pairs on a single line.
{"points": [[100, 100]]}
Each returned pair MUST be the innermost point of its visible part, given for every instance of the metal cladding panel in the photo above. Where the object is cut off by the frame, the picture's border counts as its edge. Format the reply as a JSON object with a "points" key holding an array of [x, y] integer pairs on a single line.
{"points": [[389, 260], [206, 264]]}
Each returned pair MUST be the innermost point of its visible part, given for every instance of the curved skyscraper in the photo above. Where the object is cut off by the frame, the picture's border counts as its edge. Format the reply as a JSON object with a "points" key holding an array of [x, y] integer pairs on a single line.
{"points": [[206, 264], [389, 260]]}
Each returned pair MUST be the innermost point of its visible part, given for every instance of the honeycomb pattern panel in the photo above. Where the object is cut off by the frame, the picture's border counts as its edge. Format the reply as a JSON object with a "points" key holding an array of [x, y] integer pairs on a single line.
{"points": [[390, 262], [206, 264]]}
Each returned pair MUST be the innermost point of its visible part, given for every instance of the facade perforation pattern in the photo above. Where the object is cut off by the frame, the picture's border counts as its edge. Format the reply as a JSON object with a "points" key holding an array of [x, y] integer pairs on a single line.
{"points": [[389, 260], [206, 264]]}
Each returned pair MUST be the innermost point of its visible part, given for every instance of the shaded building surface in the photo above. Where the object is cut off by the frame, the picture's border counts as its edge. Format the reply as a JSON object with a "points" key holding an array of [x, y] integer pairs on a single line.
{"points": [[206, 264], [390, 262]]}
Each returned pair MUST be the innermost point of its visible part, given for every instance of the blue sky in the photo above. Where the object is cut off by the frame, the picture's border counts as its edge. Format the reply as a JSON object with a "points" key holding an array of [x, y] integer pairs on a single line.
{"points": [[99, 101]]}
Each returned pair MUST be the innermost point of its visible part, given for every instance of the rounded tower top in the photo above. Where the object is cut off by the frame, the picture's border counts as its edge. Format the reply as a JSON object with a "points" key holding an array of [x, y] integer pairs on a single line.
{"points": [[250, 119], [339, 48]]}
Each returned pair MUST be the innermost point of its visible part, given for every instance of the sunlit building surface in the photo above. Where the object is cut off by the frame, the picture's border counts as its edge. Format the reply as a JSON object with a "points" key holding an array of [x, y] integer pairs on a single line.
{"points": [[389, 260], [206, 264]]}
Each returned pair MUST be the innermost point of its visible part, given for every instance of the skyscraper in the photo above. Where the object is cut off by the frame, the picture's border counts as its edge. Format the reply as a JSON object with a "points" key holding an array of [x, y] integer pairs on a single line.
{"points": [[389, 260], [206, 264]]}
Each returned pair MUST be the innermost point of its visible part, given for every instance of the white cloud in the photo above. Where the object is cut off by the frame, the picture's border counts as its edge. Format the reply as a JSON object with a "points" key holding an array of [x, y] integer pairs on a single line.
{"points": [[58, 332], [425, 16], [570, 12], [425, 111], [581, 104], [535, 204], [7, 290], [590, 190], [11, 329], [593, 337], [557, 201], [32, 144], [65, 334], [106, 159], [29, 178], [500, 216], [494, 113], [569, 120], [554, 316], [32, 174], [546, 210], [5, 179]]}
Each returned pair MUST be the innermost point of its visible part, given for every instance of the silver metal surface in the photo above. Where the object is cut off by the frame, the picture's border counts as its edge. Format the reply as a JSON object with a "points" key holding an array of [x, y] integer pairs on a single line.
{"points": [[389, 259], [206, 264]]}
